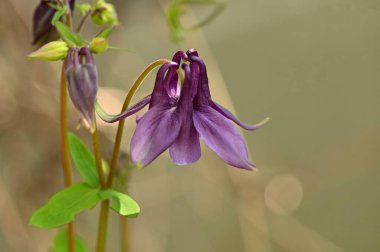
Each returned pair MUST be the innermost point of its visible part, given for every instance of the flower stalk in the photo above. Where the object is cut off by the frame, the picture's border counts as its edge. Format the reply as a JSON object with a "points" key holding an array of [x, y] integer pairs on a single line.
{"points": [[104, 210], [68, 175], [64, 130]]}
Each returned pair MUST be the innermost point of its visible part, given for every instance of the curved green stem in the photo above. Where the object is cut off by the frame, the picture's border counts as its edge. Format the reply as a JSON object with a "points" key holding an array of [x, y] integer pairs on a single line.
{"points": [[120, 128], [103, 217]]}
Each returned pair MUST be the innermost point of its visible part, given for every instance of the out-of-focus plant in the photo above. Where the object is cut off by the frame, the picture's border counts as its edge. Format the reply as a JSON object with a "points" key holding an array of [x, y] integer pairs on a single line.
{"points": [[180, 112], [175, 9]]}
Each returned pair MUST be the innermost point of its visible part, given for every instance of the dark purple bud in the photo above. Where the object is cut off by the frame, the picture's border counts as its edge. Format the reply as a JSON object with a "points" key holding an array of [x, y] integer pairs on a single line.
{"points": [[43, 30], [82, 77]]}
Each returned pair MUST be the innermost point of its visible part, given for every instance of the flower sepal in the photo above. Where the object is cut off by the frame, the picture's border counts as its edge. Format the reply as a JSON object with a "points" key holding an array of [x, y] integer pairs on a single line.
{"points": [[52, 51], [98, 45]]}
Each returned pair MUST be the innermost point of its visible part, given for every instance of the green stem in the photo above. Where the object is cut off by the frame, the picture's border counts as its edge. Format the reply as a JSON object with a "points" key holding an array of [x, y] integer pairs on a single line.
{"points": [[98, 157], [83, 21], [103, 217], [120, 128], [69, 19], [123, 225], [67, 173], [102, 229]]}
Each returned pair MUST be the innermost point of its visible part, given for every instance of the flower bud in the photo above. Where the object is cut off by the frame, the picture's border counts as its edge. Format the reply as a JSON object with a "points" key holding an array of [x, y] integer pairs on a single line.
{"points": [[98, 45], [82, 77], [104, 14], [43, 30], [52, 51]]}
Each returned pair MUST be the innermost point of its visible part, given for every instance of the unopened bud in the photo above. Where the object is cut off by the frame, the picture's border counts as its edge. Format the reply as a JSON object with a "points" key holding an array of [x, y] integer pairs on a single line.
{"points": [[52, 51], [104, 14], [82, 77], [98, 45], [43, 30]]}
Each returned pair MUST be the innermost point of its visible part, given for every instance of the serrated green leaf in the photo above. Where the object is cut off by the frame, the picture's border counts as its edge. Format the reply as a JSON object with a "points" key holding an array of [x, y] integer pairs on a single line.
{"points": [[83, 159], [64, 205], [60, 243], [70, 38], [58, 14], [121, 203]]}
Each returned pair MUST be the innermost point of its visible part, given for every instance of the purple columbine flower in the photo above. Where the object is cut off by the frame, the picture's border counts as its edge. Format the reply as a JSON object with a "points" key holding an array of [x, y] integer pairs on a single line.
{"points": [[82, 77], [43, 30], [177, 118]]}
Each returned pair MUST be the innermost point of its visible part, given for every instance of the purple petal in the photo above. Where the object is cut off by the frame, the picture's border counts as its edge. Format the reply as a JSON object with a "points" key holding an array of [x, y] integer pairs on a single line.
{"points": [[203, 96], [155, 132], [43, 30], [222, 137], [130, 111], [83, 87], [160, 94], [171, 82], [186, 148], [230, 116]]}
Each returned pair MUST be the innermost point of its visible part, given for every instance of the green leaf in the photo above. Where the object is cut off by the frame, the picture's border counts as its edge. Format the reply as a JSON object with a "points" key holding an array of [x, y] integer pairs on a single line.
{"points": [[84, 161], [106, 32], [64, 205], [58, 14], [60, 243], [121, 203], [71, 38]]}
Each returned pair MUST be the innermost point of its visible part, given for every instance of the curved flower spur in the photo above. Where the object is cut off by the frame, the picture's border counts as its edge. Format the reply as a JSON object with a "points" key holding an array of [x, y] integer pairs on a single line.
{"points": [[178, 117]]}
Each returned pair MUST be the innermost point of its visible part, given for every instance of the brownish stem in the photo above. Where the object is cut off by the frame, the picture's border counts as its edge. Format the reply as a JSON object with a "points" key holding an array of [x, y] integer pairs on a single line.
{"points": [[83, 21], [69, 19], [67, 172]]}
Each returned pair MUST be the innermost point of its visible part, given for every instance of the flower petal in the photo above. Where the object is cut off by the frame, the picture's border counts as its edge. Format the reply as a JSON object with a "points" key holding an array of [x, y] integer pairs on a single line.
{"points": [[130, 111], [222, 137], [155, 132], [43, 30], [83, 87], [160, 94], [230, 116], [186, 148], [203, 96]]}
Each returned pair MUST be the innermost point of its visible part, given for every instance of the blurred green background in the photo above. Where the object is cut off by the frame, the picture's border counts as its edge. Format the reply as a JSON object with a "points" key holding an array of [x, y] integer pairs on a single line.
{"points": [[312, 66]]}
